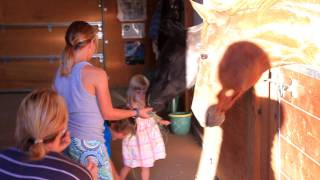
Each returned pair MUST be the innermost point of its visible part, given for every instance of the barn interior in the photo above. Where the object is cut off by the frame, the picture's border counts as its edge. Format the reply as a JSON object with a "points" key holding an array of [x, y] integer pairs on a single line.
{"points": [[271, 132]]}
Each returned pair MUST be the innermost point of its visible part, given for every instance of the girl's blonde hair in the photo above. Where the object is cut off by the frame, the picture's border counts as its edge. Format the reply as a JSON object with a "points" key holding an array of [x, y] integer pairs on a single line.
{"points": [[137, 82], [78, 35], [125, 126], [40, 116]]}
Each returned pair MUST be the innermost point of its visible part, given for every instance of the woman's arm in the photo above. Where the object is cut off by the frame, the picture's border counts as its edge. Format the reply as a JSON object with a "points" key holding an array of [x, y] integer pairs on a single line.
{"points": [[100, 83]]}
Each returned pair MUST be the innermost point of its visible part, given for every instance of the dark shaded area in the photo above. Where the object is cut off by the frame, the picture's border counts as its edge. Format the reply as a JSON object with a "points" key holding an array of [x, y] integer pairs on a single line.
{"points": [[249, 132], [172, 12], [240, 68], [169, 77]]}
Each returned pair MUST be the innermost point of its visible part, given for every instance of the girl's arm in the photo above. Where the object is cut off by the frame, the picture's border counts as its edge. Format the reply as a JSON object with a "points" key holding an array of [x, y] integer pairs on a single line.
{"points": [[159, 119], [101, 87], [164, 122]]}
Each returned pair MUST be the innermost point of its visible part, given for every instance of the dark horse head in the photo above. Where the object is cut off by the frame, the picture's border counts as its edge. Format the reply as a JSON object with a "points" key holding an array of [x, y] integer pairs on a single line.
{"points": [[169, 79]]}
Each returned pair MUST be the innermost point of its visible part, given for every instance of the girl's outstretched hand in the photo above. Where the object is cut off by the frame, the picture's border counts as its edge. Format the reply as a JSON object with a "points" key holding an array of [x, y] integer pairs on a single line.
{"points": [[164, 122], [145, 112]]}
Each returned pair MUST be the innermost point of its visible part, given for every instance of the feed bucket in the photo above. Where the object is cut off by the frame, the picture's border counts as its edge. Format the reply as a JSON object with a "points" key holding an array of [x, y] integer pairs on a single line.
{"points": [[180, 122]]}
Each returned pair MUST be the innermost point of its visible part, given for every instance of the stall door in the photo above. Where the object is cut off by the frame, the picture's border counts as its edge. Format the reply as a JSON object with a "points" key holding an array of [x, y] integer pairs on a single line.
{"points": [[32, 39]]}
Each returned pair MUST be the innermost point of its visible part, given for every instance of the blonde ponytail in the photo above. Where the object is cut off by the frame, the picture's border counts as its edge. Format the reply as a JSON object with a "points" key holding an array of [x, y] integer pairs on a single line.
{"points": [[67, 61], [78, 35], [37, 151], [40, 117]]}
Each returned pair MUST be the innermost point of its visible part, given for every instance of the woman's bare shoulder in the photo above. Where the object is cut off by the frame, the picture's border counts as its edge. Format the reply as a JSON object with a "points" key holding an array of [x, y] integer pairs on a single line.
{"points": [[95, 72]]}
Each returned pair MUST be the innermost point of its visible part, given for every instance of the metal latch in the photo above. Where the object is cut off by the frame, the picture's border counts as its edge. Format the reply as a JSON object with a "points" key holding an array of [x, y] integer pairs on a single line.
{"points": [[283, 88], [292, 88]]}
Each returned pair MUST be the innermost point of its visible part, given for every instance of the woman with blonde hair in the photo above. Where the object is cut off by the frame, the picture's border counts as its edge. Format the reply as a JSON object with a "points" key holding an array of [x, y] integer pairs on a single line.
{"points": [[86, 91], [41, 135]]}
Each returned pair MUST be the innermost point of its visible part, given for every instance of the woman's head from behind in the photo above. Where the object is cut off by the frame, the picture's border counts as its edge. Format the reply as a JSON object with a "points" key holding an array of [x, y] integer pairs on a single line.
{"points": [[41, 119], [137, 89], [80, 37]]}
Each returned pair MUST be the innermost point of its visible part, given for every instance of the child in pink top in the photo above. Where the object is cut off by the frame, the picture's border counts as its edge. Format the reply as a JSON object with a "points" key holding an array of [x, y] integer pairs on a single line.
{"points": [[142, 141]]}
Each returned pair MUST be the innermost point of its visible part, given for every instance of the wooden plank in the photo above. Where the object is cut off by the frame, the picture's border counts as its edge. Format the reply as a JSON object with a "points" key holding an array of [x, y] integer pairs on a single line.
{"points": [[33, 41], [295, 164], [29, 11], [302, 130], [26, 70], [307, 88], [27, 74], [302, 115]]}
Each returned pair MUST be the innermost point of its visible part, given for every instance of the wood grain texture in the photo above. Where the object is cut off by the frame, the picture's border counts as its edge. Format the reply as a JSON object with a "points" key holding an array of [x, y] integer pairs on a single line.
{"points": [[41, 41]]}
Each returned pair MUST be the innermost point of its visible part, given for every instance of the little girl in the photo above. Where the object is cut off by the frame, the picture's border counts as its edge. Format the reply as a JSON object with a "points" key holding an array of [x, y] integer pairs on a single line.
{"points": [[142, 141]]}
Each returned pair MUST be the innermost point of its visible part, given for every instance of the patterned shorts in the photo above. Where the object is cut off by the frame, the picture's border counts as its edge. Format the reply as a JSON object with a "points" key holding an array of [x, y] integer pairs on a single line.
{"points": [[80, 150]]}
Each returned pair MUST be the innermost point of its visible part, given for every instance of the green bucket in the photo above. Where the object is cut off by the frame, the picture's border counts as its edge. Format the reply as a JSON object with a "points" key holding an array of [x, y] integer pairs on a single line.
{"points": [[180, 122]]}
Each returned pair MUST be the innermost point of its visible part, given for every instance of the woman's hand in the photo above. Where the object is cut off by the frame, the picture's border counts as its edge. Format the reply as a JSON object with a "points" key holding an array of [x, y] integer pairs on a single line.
{"points": [[60, 143], [92, 168], [145, 112]]}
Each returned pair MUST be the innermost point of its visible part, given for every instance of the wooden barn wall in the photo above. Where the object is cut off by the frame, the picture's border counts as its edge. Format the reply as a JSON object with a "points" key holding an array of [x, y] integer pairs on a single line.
{"points": [[120, 73], [300, 131], [30, 73], [268, 135]]}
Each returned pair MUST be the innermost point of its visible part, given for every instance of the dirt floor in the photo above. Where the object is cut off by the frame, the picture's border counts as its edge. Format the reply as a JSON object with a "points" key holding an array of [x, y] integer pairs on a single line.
{"points": [[183, 152]]}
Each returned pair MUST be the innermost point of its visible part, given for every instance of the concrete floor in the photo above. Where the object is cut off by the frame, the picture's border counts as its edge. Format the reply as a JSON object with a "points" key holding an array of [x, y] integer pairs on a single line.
{"points": [[183, 152], [180, 164]]}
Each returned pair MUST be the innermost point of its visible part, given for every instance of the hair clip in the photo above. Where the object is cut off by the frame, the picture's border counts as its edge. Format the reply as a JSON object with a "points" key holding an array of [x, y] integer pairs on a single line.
{"points": [[37, 141]]}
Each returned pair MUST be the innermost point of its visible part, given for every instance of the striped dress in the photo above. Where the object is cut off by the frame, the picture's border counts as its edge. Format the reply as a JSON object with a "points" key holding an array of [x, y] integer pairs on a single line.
{"points": [[15, 164], [145, 147]]}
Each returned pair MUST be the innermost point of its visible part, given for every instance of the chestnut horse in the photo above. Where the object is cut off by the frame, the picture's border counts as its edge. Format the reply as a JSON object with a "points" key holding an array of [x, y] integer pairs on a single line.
{"points": [[225, 55]]}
